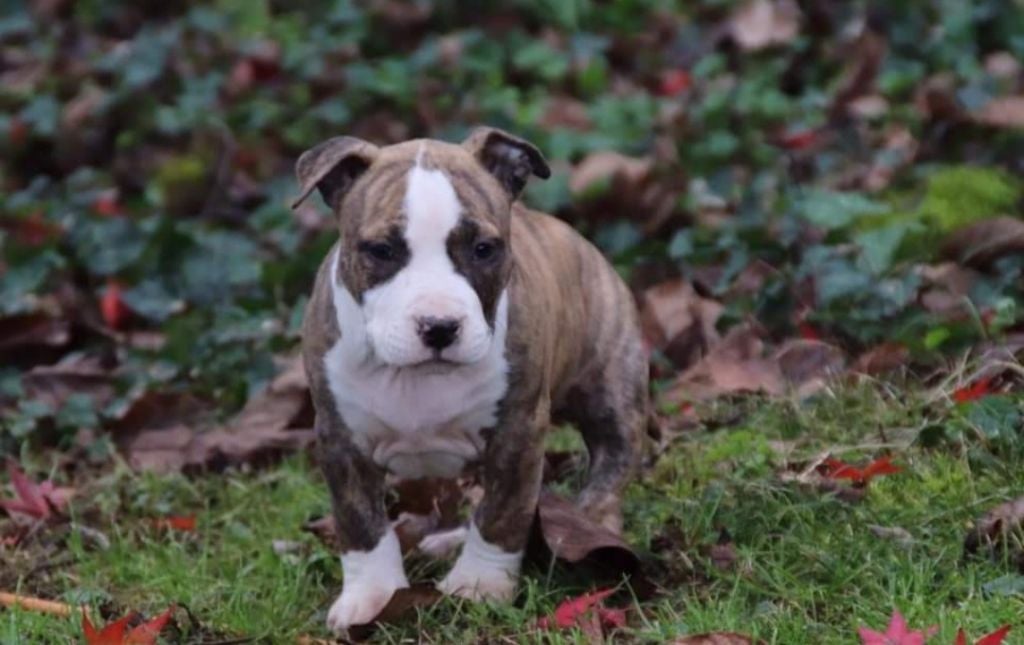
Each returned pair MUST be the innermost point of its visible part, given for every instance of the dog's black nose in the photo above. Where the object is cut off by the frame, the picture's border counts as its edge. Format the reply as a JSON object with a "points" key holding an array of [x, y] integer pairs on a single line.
{"points": [[438, 333]]}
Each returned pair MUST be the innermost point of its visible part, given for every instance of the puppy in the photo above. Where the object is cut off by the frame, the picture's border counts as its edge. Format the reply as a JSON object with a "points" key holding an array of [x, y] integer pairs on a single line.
{"points": [[449, 326]]}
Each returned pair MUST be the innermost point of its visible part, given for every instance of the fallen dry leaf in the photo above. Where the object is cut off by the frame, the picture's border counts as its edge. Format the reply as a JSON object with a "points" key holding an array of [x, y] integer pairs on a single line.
{"points": [[571, 612], [1003, 112], [807, 364], [601, 169], [676, 320], [763, 23], [865, 58], [54, 384], [982, 243], [836, 469], [271, 423], [33, 502], [574, 538], [993, 638], [979, 389], [402, 603], [896, 634], [887, 357], [737, 364], [715, 638], [183, 523], [115, 633], [115, 312], [997, 528]]}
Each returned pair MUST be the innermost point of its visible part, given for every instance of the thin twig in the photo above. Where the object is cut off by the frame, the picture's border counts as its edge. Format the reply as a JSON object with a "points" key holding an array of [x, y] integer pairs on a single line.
{"points": [[30, 603]]}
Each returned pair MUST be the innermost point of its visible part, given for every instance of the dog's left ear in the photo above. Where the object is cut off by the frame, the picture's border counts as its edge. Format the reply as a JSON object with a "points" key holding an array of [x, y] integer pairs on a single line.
{"points": [[510, 159]]}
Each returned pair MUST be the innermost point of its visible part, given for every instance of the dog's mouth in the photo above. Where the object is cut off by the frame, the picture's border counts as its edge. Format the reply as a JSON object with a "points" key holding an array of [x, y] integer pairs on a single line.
{"points": [[436, 365]]}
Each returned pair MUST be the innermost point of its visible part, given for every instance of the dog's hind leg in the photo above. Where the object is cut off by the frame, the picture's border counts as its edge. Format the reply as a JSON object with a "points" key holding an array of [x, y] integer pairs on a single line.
{"points": [[609, 407]]}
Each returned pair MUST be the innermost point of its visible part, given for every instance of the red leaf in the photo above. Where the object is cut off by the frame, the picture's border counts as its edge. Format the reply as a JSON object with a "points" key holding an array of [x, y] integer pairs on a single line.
{"points": [[979, 389], [961, 639], [808, 331], [146, 633], [38, 501], [186, 523], [114, 633], [799, 140], [896, 634], [674, 82], [107, 205], [114, 311], [569, 613], [836, 469], [996, 637]]}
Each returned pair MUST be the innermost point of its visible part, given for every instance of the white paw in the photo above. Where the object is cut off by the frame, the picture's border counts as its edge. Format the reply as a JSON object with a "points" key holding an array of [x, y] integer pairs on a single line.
{"points": [[496, 585], [370, 579], [440, 544], [483, 571], [357, 605]]}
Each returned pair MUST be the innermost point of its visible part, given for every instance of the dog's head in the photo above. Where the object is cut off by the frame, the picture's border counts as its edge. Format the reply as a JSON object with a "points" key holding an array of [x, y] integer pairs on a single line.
{"points": [[424, 237]]}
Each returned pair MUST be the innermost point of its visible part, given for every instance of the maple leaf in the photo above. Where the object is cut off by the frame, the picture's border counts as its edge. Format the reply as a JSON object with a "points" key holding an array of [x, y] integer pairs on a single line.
{"points": [[569, 612], [979, 389], [115, 634], [32, 500], [994, 638], [836, 469], [896, 634]]}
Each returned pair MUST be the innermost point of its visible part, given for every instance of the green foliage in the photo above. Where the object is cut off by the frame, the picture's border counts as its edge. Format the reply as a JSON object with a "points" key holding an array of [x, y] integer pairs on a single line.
{"points": [[958, 196]]}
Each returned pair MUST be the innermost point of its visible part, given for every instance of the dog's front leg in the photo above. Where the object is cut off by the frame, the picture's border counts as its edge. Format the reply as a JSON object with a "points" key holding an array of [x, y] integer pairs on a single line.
{"points": [[371, 559], [488, 567]]}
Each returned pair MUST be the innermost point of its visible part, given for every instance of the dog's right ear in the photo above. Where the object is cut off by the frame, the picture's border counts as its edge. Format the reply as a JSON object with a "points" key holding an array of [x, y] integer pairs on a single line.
{"points": [[332, 167]]}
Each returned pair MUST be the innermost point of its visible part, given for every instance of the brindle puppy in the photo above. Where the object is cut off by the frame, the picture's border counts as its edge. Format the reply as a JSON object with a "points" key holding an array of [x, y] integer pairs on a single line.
{"points": [[448, 326]]}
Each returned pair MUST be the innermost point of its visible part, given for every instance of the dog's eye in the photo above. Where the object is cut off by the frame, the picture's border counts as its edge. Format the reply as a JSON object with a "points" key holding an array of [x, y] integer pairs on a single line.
{"points": [[485, 250], [381, 251]]}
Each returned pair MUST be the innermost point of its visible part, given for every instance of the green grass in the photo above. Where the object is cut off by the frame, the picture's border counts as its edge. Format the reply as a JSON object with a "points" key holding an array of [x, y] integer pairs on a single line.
{"points": [[808, 567]]}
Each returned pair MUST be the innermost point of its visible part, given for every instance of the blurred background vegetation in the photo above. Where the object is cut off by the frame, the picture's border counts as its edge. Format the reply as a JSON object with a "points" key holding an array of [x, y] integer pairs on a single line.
{"points": [[840, 171]]}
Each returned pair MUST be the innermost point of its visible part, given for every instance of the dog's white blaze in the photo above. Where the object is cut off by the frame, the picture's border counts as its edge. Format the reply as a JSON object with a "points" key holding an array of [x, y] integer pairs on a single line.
{"points": [[414, 421], [428, 286], [483, 570], [370, 578]]}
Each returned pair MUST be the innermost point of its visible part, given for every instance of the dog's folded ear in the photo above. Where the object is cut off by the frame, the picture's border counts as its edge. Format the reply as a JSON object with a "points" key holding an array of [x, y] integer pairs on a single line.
{"points": [[510, 159], [332, 167]]}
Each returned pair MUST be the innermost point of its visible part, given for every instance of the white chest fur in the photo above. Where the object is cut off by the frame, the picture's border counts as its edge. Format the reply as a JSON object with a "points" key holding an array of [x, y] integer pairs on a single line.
{"points": [[414, 421]]}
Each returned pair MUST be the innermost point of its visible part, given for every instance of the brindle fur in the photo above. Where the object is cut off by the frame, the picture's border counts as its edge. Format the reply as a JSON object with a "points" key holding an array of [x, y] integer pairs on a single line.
{"points": [[573, 345]]}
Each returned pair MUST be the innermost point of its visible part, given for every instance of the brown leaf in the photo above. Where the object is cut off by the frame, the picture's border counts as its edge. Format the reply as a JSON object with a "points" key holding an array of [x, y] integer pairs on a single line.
{"points": [[1001, 527], [763, 23], [715, 638], [565, 112], [264, 429], [53, 384], [737, 364], [865, 57], [806, 364], [679, 322], [887, 357], [603, 168], [402, 603], [945, 289], [571, 536], [1003, 112], [982, 243]]}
